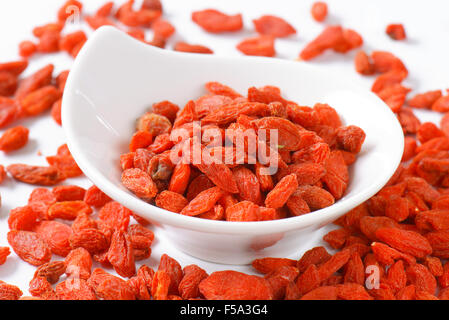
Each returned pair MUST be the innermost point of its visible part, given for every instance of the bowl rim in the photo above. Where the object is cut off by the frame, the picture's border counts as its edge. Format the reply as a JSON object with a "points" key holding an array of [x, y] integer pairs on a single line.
{"points": [[161, 216]]}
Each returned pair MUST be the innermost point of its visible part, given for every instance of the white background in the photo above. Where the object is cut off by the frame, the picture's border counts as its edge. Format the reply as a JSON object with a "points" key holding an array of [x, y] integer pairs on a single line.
{"points": [[425, 53]]}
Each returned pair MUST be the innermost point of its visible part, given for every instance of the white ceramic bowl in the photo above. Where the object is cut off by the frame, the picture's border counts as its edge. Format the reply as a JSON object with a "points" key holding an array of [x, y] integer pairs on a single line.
{"points": [[116, 78]]}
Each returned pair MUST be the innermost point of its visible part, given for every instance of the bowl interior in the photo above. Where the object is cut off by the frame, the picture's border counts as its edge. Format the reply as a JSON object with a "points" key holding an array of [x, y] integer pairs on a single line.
{"points": [[115, 79]]}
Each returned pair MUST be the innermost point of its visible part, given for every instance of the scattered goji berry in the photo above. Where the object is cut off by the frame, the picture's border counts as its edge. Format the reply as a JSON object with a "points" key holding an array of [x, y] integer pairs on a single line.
{"points": [[121, 255], [92, 240], [9, 291], [396, 31], [259, 46], [4, 253], [96, 198], [231, 285], [215, 21], [23, 218], [273, 26], [78, 264], [319, 11], [193, 48], [56, 235], [109, 287], [46, 176], [29, 246]]}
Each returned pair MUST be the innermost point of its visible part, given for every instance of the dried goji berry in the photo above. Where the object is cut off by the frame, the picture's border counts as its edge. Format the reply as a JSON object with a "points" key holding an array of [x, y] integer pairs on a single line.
{"points": [[439, 242], [337, 238], [40, 100], [331, 37], [8, 83], [121, 255], [9, 291], [397, 208], [37, 80], [166, 109], [141, 238], [396, 31], [308, 280], [56, 235], [218, 88], [65, 164], [72, 42], [203, 202], [396, 276], [215, 21], [163, 29], [355, 270], [27, 49], [248, 184], [109, 287], [422, 278], [51, 271], [243, 211], [315, 197], [4, 253], [233, 285], [273, 26], [92, 240], [387, 255], [289, 135], [29, 246], [258, 46], [434, 265], [405, 241], [193, 48], [279, 280], [424, 100], [221, 175], [14, 67], [180, 178], [296, 205], [188, 287], [385, 61], [78, 264], [363, 65], [23, 218], [277, 197], [173, 270], [428, 131], [95, 197], [268, 265], [140, 18], [37, 175], [68, 210], [160, 285], [115, 215], [75, 289], [171, 201], [139, 182], [319, 11], [333, 264]]}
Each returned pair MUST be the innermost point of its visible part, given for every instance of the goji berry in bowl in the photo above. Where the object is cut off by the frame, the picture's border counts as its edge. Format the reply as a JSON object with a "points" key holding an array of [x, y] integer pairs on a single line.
{"points": [[116, 78]]}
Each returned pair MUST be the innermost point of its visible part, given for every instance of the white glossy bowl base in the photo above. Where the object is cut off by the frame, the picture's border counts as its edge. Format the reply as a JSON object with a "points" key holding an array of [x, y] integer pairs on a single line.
{"points": [[115, 79]]}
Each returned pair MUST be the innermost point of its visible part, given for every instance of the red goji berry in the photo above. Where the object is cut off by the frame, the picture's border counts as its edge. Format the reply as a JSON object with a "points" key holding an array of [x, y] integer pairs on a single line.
{"points": [[396, 31], [215, 21], [319, 11], [273, 26]]}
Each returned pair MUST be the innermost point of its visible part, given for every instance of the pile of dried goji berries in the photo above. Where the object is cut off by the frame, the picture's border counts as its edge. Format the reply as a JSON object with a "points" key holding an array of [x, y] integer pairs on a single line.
{"points": [[312, 154], [394, 246]]}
